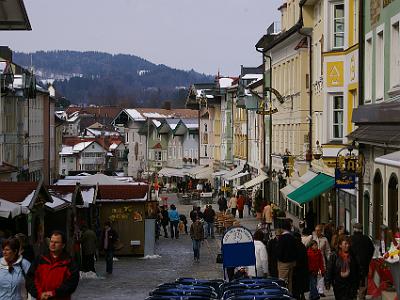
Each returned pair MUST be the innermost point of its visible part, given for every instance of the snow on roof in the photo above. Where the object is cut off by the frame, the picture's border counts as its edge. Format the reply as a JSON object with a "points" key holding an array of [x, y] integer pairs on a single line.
{"points": [[28, 199], [100, 179], [156, 115], [8, 208], [191, 123], [135, 115], [225, 82], [210, 96], [253, 76], [88, 196], [172, 123], [58, 203], [73, 117], [81, 146], [113, 146], [67, 150], [156, 123]]}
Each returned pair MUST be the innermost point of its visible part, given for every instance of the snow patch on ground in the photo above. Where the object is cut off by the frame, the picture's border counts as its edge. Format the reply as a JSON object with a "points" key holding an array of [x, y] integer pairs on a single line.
{"points": [[89, 275], [151, 257]]}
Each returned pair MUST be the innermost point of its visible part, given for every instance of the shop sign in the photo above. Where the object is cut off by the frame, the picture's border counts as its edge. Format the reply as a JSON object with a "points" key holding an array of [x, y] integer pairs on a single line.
{"points": [[348, 167], [238, 248], [344, 180]]}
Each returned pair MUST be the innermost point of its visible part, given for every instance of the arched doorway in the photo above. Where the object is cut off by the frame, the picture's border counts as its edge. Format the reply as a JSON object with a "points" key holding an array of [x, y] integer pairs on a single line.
{"points": [[377, 204], [393, 203], [366, 205]]}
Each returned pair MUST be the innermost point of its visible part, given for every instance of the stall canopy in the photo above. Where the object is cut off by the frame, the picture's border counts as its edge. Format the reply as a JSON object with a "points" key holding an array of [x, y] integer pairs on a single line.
{"points": [[312, 189], [205, 173], [257, 180], [297, 183], [219, 173], [232, 173], [8, 209], [239, 175], [391, 159], [200, 172], [172, 172]]}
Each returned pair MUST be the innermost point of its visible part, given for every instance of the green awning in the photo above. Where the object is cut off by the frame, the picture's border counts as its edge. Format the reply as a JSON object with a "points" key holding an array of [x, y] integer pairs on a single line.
{"points": [[312, 189]]}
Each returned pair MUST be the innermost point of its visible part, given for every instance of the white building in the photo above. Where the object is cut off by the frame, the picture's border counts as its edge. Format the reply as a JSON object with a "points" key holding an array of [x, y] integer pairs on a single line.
{"points": [[84, 156]]}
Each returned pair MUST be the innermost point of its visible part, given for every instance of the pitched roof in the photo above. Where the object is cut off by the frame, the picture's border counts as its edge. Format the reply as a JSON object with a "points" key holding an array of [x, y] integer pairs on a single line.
{"points": [[17, 191], [97, 111], [122, 192], [25, 193]]}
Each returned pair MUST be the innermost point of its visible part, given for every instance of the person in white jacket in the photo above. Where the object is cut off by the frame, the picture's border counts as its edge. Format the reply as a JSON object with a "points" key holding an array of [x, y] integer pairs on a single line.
{"points": [[261, 257]]}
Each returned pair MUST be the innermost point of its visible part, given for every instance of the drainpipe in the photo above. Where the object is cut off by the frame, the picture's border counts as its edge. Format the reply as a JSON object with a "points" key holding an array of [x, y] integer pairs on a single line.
{"points": [[361, 45], [310, 53], [270, 122]]}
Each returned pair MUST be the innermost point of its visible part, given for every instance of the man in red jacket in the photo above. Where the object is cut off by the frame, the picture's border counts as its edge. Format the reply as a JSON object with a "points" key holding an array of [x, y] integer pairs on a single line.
{"points": [[55, 275]]}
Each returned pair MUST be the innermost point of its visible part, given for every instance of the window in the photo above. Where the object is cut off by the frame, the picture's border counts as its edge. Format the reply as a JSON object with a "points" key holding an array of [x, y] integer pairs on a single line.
{"points": [[63, 160], [379, 66], [205, 151], [205, 127], [338, 25], [394, 56], [158, 155], [337, 124], [368, 70]]}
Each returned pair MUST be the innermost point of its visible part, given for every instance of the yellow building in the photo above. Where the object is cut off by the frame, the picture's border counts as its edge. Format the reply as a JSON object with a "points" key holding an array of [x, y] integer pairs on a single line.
{"points": [[289, 51], [335, 94]]}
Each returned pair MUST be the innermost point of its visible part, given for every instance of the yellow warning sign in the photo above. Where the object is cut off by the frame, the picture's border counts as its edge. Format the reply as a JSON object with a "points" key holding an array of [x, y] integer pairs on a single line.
{"points": [[335, 74]]}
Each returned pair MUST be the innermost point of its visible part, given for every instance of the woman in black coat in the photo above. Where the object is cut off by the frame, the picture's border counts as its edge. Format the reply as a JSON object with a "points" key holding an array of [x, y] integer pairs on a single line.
{"points": [[343, 272], [300, 273]]}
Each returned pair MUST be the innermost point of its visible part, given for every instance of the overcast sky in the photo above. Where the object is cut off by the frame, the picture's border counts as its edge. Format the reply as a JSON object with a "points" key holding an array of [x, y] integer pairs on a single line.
{"points": [[206, 35]]}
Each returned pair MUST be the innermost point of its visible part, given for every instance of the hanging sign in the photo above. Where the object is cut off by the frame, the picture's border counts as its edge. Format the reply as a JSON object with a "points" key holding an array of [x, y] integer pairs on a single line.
{"points": [[348, 167]]}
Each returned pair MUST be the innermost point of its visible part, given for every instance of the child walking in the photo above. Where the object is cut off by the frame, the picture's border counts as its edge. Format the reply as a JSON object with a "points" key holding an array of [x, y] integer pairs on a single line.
{"points": [[315, 265]]}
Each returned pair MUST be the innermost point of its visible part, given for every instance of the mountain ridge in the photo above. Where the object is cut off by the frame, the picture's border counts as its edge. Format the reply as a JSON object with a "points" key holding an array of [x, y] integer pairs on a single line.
{"points": [[93, 77]]}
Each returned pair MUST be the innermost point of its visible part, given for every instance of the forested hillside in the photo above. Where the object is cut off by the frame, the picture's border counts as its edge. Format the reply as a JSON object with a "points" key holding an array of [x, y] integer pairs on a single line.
{"points": [[102, 78]]}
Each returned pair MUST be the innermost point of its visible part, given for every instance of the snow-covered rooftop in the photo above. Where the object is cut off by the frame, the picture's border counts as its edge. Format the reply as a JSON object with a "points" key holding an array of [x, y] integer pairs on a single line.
{"points": [[135, 115], [81, 146], [156, 115], [156, 123], [253, 76], [225, 82], [113, 146], [67, 150]]}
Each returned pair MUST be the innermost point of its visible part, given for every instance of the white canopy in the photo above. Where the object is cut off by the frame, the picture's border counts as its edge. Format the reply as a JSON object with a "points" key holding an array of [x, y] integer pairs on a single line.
{"points": [[255, 181], [239, 175], [8, 208], [198, 170], [231, 173], [172, 172], [205, 173], [219, 173]]}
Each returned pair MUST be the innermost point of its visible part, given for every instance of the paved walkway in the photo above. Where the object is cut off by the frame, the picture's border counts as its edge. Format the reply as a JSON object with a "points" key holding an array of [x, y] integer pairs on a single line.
{"points": [[134, 277]]}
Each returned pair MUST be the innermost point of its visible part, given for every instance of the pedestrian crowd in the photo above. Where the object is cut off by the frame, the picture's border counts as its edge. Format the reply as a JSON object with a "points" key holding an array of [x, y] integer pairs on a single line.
{"points": [[315, 261], [54, 273]]}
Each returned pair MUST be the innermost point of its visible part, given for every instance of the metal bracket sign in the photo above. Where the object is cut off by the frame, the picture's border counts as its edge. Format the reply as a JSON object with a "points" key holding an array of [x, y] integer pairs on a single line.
{"points": [[238, 248]]}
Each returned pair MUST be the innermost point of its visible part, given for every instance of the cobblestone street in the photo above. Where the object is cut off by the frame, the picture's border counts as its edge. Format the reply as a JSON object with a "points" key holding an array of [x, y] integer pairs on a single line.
{"points": [[134, 277]]}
